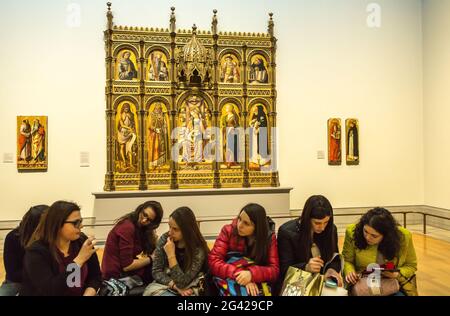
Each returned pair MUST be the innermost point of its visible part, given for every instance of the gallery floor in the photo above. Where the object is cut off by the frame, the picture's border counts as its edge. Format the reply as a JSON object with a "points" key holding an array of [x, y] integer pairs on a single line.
{"points": [[432, 254]]}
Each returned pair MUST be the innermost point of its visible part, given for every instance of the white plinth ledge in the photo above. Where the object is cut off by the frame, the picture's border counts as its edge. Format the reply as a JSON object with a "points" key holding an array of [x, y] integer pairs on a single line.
{"points": [[206, 204]]}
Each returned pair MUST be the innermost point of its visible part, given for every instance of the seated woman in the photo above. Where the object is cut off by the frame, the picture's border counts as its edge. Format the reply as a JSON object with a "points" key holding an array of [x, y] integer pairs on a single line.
{"points": [[310, 242], [131, 242], [14, 249], [180, 257], [377, 238], [60, 260], [249, 235]]}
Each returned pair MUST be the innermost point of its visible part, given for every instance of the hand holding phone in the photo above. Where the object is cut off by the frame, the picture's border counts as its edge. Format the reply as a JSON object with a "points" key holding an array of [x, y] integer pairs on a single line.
{"points": [[390, 275]]}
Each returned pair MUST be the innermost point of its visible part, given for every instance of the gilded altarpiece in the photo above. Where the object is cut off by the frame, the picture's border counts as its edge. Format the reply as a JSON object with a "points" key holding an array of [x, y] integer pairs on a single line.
{"points": [[189, 108]]}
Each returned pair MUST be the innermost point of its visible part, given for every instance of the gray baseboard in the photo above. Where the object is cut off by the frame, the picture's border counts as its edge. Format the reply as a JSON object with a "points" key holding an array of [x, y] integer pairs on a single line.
{"points": [[411, 217], [414, 216]]}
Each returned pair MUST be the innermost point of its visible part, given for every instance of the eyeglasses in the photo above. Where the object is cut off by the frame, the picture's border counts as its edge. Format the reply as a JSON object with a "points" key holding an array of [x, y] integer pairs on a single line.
{"points": [[145, 216], [76, 223], [150, 221]]}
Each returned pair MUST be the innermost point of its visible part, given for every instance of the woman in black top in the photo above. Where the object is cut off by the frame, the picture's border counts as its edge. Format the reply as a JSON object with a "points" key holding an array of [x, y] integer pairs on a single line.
{"points": [[60, 260], [14, 249], [310, 242]]}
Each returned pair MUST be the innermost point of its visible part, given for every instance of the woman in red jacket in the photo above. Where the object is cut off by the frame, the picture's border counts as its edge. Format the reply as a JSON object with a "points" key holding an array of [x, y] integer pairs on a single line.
{"points": [[251, 236]]}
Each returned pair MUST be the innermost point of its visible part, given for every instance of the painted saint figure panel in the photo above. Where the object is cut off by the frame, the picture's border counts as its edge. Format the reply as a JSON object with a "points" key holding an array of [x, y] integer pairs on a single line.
{"points": [[258, 69], [334, 141], [194, 119], [126, 68], [158, 136], [32, 143], [352, 138], [229, 69], [157, 69], [259, 137], [126, 138], [231, 140]]}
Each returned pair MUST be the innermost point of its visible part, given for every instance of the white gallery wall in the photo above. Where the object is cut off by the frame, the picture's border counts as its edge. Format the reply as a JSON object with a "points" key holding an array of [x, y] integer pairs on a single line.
{"points": [[330, 63], [337, 66], [436, 26]]}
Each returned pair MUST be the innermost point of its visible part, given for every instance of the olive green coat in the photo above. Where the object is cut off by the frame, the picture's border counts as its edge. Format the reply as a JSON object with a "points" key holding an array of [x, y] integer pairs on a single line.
{"points": [[356, 260]]}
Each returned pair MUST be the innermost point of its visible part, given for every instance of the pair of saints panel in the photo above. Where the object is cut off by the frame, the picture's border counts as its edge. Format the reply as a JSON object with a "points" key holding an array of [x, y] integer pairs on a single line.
{"points": [[335, 141]]}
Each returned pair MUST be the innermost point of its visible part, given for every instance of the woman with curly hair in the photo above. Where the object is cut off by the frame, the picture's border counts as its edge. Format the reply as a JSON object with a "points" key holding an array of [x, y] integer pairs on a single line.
{"points": [[378, 238]]}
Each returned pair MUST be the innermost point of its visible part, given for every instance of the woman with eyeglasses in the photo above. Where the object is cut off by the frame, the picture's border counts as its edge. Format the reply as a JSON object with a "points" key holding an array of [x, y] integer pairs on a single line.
{"points": [[131, 242], [59, 259], [14, 249]]}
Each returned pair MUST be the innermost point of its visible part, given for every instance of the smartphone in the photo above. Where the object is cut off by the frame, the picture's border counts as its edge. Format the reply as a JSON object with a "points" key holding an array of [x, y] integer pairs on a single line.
{"points": [[380, 269], [390, 270], [331, 282]]}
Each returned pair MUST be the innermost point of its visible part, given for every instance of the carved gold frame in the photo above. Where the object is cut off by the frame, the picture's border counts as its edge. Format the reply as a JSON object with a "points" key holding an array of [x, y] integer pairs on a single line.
{"points": [[142, 93]]}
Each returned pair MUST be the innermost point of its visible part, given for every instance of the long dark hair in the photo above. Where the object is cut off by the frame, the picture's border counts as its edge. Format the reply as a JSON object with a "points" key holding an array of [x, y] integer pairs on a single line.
{"points": [[50, 225], [147, 234], [29, 223], [193, 239], [263, 239], [384, 223], [317, 207]]}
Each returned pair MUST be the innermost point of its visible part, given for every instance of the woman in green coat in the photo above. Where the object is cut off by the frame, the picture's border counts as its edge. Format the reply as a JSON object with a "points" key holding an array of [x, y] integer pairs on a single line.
{"points": [[378, 238]]}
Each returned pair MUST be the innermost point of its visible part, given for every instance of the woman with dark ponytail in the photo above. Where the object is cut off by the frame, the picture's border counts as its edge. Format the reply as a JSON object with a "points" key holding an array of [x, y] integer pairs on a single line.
{"points": [[14, 249]]}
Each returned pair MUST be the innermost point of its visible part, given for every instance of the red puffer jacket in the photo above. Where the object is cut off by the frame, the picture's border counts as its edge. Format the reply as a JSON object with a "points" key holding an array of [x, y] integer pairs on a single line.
{"points": [[227, 242]]}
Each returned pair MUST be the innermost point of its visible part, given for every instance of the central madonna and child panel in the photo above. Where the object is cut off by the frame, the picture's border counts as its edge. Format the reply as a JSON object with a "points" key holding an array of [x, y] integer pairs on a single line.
{"points": [[189, 109]]}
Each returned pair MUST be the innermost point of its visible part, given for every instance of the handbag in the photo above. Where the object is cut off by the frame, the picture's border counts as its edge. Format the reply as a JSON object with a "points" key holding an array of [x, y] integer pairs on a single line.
{"points": [[127, 286], [197, 286], [113, 287], [298, 282], [230, 287], [156, 289], [371, 286]]}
